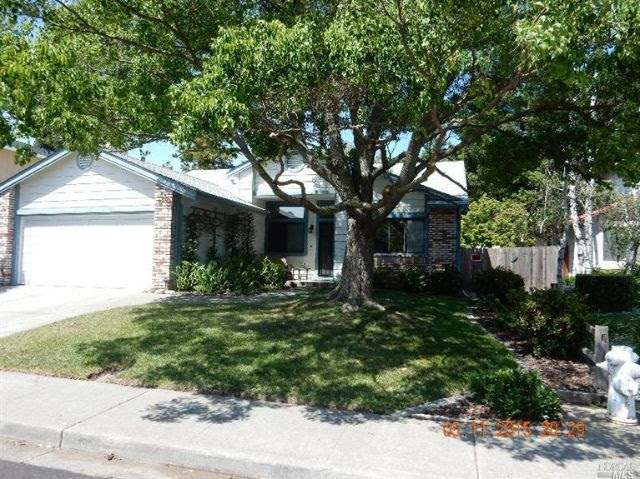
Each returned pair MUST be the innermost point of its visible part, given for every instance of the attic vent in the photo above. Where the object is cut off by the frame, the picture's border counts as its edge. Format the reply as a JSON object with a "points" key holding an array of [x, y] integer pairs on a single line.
{"points": [[84, 162], [294, 162]]}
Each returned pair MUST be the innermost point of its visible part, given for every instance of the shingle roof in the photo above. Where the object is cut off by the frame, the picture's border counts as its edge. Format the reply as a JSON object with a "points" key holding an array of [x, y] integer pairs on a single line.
{"points": [[190, 181]]}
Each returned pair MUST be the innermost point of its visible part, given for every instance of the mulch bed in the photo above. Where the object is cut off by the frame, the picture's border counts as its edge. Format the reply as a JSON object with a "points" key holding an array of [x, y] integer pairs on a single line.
{"points": [[571, 374]]}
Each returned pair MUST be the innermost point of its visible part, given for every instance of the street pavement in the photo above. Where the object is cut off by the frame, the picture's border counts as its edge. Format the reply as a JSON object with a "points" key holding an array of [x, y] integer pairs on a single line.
{"points": [[16, 470], [20, 460]]}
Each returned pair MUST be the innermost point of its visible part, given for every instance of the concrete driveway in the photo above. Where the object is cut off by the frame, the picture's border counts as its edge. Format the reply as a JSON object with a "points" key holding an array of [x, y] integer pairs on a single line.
{"points": [[27, 307]]}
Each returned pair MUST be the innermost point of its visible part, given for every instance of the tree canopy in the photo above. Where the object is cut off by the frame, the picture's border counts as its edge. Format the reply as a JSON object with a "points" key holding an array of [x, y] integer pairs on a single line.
{"points": [[339, 81]]}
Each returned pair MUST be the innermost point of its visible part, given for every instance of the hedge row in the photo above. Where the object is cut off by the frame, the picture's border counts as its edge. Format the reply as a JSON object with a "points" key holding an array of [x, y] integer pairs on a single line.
{"points": [[607, 292]]}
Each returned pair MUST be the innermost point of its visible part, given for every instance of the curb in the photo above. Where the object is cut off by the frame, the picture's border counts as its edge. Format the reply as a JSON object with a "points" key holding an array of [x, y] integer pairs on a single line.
{"points": [[216, 461], [208, 460], [35, 434]]}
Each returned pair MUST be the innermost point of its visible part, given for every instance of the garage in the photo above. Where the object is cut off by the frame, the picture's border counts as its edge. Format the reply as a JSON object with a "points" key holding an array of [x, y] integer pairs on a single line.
{"points": [[100, 250], [108, 221]]}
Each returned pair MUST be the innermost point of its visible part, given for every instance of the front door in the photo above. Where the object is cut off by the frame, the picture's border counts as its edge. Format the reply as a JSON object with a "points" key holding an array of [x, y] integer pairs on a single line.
{"points": [[325, 248]]}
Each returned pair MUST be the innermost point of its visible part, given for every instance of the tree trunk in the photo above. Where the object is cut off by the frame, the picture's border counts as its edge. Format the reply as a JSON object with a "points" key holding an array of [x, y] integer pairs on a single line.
{"points": [[565, 232], [588, 226], [355, 288], [581, 250]]}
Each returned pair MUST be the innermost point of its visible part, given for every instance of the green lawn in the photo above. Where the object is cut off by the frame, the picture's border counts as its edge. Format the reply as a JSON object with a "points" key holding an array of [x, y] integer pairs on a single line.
{"points": [[624, 328], [298, 350]]}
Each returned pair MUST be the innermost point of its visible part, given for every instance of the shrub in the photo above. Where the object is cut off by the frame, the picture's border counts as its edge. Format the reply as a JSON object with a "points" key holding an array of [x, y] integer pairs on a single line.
{"points": [[554, 322], [412, 280], [385, 278], [273, 274], [233, 276], [516, 394], [497, 282], [243, 276], [185, 275], [607, 292], [446, 282], [211, 278]]}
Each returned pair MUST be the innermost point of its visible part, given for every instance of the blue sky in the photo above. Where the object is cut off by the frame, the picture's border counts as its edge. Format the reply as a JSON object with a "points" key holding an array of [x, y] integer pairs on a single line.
{"points": [[159, 152]]}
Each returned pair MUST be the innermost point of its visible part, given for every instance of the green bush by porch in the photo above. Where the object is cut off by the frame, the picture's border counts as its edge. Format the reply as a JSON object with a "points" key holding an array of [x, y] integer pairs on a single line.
{"points": [[297, 349]]}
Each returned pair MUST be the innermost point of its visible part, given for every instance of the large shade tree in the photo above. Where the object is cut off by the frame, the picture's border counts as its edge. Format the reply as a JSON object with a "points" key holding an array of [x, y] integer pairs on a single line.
{"points": [[358, 87]]}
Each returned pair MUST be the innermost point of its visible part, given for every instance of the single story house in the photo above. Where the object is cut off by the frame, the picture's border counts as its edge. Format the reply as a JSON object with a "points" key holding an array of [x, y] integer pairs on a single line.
{"points": [[8, 165], [115, 221]]}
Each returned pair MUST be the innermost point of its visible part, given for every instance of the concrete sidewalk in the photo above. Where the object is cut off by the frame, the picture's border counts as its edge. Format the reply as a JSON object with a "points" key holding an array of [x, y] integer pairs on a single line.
{"points": [[261, 439]]}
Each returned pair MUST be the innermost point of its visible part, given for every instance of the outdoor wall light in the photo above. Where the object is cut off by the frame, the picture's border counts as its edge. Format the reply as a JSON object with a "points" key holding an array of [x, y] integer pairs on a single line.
{"points": [[310, 229]]}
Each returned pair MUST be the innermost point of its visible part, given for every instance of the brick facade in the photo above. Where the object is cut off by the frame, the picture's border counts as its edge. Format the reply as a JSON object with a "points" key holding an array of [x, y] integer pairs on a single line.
{"points": [[442, 243], [395, 262], [164, 238], [443, 237], [7, 212]]}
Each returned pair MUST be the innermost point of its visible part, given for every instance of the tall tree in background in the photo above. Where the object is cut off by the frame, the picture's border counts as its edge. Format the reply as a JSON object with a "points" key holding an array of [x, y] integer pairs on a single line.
{"points": [[339, 81], [553, 166]]}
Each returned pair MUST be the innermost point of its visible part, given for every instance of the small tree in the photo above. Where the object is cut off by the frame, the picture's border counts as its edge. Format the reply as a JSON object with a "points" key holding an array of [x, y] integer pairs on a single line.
{"points": [[491, 222], [622, 223]]}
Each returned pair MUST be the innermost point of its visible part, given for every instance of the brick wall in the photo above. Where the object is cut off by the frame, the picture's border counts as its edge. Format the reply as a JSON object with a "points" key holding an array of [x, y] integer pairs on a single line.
{"points": [[441, 247], [442, 237], [397, 262], [164, 238], [7, 211]]}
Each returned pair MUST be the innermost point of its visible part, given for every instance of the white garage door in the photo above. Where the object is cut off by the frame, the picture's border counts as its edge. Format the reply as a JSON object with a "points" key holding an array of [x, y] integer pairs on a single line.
{"points": [[114, 251]]}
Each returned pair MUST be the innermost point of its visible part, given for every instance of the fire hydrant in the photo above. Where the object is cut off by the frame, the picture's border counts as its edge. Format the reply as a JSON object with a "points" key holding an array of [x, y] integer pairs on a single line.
{"points": [[623, 371]]}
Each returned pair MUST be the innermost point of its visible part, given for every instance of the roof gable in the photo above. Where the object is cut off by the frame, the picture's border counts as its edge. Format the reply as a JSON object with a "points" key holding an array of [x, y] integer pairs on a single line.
{"points": [[176, 181]]}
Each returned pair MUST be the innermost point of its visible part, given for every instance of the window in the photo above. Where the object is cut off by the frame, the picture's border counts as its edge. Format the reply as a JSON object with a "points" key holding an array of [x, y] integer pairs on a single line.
{"points": [[286, 229], [400, 236]]}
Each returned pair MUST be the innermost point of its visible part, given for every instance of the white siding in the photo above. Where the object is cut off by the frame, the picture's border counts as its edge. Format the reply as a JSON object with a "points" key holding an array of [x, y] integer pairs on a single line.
{"points": [[600, 260], [314, 184], [412, 202], [63, 186], [244, 186]]}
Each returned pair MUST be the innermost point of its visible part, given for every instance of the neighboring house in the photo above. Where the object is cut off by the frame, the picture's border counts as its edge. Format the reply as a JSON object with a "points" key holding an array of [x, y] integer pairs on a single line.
{"points": [[602, 256], [8, 165], [120, 222]]}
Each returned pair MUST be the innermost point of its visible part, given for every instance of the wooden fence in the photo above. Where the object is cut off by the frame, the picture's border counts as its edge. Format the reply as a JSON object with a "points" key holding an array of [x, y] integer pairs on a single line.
{"points": [[600, 335], [536, 264]]}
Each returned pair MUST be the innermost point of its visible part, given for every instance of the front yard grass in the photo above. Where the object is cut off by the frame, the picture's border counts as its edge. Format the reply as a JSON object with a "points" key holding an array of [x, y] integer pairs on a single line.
{"points": [[297, 349]]}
